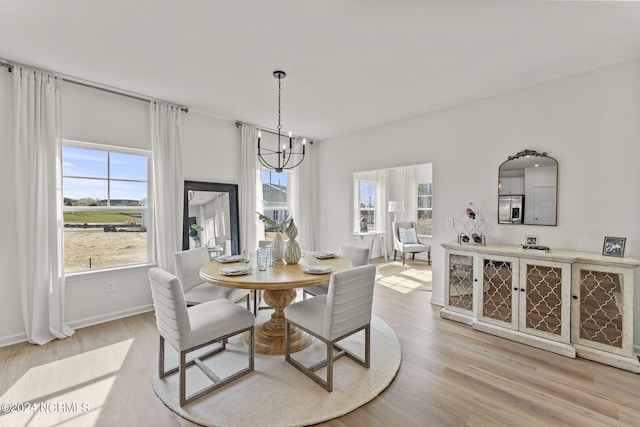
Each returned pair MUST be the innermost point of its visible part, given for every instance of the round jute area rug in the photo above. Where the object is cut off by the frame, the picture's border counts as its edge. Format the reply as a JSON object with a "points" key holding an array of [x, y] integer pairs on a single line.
{"points": [[276, 393]]}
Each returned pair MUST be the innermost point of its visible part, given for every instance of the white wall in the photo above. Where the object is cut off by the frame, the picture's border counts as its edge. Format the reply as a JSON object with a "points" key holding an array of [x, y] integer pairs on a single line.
{"points": [[210, 154], [589, 122]]}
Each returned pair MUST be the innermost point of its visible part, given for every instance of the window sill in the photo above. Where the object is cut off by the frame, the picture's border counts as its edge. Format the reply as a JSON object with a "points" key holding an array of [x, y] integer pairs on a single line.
{"points": [[108, 270]]}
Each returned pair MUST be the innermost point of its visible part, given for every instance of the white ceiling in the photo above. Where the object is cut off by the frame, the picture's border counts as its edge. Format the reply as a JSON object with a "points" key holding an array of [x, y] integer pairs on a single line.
{"points": [[351, 64]]}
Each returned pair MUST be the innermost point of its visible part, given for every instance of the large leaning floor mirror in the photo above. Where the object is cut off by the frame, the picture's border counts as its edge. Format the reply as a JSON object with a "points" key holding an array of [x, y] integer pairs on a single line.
{"points": [[211, 217]]}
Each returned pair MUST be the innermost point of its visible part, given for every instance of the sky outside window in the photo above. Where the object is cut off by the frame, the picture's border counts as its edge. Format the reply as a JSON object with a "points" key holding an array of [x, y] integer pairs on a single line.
{"points": [[79, 164]]}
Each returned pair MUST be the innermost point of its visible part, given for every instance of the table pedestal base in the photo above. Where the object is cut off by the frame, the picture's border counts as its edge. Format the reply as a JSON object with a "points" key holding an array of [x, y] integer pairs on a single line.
{"points": [[270, 336]]}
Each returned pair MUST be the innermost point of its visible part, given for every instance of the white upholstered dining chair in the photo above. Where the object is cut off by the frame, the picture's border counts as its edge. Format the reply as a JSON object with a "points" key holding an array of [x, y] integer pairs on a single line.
{"points": [[405, 240], [344, 311], [188, 329], [356, 254], [195, 289]]}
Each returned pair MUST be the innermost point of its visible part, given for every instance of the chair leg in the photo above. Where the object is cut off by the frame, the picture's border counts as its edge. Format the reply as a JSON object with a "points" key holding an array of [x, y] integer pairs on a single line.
{"points": [[183, 378], [404, 255], [395, 253], [161, 373], [252, 338], [329, 386], [429, 257], [413, 256], [217, 381], [287, 340], [367, 346]]}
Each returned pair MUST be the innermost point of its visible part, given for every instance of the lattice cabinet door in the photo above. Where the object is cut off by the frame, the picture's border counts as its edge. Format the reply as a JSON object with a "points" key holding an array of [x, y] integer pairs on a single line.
{"points": [[498, 290], [460, 281], [602, 308], [545, 299]]}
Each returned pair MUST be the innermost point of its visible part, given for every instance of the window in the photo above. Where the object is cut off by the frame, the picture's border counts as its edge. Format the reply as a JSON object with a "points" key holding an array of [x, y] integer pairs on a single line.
{"points": [[425, 209], [275, 196], [367, 199], [105, 206]]}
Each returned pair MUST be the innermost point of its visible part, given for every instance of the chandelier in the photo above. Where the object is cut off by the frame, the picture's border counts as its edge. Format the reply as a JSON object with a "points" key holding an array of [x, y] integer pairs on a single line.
{"points": [[281, 157]]}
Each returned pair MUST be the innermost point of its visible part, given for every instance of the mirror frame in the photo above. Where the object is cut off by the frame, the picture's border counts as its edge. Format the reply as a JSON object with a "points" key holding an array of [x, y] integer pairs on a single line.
{"points": [[232, 190], [529, 153]]}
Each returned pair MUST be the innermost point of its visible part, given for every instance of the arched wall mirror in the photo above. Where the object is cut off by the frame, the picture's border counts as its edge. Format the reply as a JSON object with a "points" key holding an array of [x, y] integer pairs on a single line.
{"points": [[211, 217], [528, 189]]}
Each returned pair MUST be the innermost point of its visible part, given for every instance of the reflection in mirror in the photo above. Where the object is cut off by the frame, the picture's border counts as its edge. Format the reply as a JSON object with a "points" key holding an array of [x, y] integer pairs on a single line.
{"points": [[527, 189], [211, 217]]}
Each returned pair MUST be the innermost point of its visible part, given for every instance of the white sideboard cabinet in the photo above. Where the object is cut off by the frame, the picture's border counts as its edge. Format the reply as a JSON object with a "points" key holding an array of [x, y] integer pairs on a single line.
{"points": [[570, 303]]}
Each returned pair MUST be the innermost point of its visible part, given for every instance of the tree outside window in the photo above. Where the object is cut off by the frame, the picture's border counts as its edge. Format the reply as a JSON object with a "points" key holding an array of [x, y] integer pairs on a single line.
{"points": [[425, 209]]}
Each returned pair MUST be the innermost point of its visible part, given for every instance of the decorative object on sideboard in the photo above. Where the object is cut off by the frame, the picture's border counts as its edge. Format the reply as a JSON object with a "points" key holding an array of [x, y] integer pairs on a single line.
{"points": [[614, 246], [292, 254], [531, 240], [281, 156], [471, 226], [534, 248]]}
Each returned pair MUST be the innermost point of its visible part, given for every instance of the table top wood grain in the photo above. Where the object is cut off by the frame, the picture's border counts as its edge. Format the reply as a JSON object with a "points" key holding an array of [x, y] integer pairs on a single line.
{"points": [[279, 277]]}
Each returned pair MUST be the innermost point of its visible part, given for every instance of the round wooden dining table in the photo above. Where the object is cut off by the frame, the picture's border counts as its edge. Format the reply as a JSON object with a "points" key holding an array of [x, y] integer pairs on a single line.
{"points": [[279, 284]]}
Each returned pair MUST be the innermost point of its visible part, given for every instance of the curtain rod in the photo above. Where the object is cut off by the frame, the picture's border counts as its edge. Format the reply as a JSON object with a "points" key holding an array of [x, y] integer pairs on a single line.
{"points": [[93, 85], [272, 132]]}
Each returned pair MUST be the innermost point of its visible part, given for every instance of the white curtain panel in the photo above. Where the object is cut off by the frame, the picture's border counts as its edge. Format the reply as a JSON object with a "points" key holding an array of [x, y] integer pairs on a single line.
{"points": [[410, 194], [303, 190], [383, 219], [248, 190], [167, 184], [38, 206]]}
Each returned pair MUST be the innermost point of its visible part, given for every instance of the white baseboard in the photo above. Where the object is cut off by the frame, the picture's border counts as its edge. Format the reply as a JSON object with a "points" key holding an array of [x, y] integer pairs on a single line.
{"points": [[13, 339], [437, 301], [96, 320], [83, 323]]}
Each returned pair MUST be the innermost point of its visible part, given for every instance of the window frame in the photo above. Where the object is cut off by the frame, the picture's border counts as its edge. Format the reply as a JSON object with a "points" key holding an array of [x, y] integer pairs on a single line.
{"points": [[146, 209]]}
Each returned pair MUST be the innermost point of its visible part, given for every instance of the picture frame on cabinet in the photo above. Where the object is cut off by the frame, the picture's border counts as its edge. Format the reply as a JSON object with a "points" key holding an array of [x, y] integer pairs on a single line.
{"points": [[614, 246], [531, 240]]}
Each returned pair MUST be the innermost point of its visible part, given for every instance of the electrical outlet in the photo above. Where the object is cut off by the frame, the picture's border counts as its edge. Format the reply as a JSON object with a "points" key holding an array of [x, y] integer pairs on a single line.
{"points": [[110, 287]]}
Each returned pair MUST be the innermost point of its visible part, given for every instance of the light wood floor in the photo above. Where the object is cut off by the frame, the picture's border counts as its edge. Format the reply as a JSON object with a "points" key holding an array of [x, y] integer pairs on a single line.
{"points": [[450, 376]]}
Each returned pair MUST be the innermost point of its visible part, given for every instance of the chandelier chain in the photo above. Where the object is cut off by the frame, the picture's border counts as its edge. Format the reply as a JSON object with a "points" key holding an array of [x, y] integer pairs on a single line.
{"points": [[279, 89]]}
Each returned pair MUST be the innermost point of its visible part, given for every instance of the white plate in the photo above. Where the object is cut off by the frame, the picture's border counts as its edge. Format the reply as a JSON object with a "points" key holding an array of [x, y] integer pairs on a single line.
{"points": [[324, 255], [318, 270], [228, 258], [235, 271]]}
